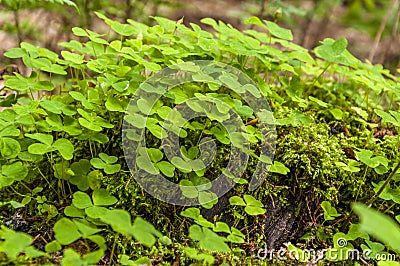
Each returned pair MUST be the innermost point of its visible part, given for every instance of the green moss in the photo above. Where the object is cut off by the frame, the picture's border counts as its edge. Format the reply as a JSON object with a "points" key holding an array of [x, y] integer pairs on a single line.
{"points": [[310, 152]]}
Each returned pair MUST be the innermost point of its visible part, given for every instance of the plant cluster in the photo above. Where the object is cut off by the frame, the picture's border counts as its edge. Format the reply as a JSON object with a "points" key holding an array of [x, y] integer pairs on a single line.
{"points": [[63, 167]]}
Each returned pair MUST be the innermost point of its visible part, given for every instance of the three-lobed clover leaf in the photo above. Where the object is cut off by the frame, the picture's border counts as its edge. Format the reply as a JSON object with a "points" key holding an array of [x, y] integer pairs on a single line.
{"points": [[63, 146], [83, 177], [251, 204], [197, 187], [330, 213], [207, 239], [107, 163], [379, 163]]}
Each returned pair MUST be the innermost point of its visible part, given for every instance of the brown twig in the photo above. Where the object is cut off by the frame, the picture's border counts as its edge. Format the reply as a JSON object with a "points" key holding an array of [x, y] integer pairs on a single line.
{"points": [[393, 37], [380, 30], [17, 26]]}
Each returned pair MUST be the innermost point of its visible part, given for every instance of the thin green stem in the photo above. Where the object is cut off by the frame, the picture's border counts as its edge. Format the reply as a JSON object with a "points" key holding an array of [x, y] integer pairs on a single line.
{"points": [[47, 181], [390, 177], [113, 247], [320, 75]]}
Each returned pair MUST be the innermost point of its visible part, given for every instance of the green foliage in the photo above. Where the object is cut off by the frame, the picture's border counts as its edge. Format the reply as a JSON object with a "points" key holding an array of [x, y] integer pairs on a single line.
{"points": [[19, 4], [62, 151], [17, 245], [252, 205], [330, 213], [379, 226]]}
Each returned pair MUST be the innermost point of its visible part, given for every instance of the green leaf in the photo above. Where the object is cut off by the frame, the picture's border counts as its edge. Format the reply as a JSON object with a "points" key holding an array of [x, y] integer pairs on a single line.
{"points": [[72, 211], [365, 156], [339, 46], [236, 232], [15, 53], [89, 125], [279, 168], [123, 29], [72, 57], [250, 200], [9, 148], [208, 240], [221, 227], [32, 252], [15, 171], [52, 106], [79, 32], [65, 148], [40, 149], [195, 232], [14, 243], [207, 199], [144, 232], [155, 154], [80, 174], [44, 138], [86, 228], [112, 169], [252, 210], [136, 120], [53, 246], [115, 105], [378, 225], [335, 52], [108, 159], [278, 31], [388, 118], [120, 220], [81, 200], [97, 163], [181, 164], [102, 197], [295, 119], [192, 213], [19, 82], [166, 168], [318, 101], [235, 239], [96, 212], [70, 257], [145, 164], [235, 200], [188, 189], [66, 232], [337, 113], [330, 212]]}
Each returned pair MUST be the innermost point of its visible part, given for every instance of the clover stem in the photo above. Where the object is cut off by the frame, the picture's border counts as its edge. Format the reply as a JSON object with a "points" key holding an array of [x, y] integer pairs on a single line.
{"points": [[369, 203], [323, 71], [113, 247]]}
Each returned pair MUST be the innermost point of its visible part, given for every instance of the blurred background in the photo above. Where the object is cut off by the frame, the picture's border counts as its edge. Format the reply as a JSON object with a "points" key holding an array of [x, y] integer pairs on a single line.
{"points": [[370, 26]]}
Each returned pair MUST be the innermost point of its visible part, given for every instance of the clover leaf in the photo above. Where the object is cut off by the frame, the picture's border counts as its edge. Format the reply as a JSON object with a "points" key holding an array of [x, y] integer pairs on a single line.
{"points": [[63, 146], [107, 163], [251, 204]]}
